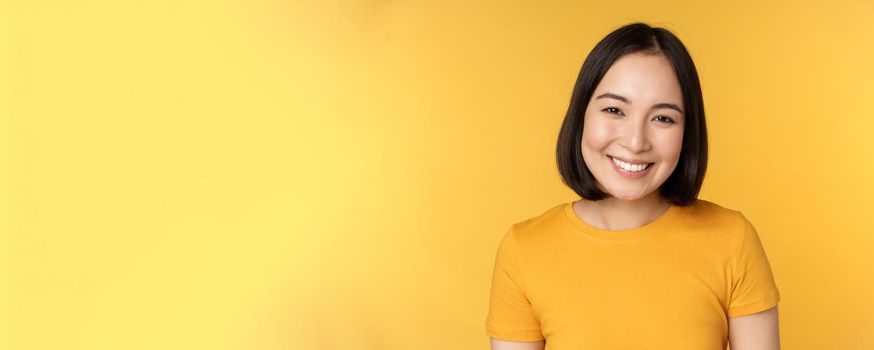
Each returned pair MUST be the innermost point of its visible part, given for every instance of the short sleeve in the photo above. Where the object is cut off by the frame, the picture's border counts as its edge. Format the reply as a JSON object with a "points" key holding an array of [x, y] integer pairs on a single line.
{"points": [[510, 315], [753, 286]]}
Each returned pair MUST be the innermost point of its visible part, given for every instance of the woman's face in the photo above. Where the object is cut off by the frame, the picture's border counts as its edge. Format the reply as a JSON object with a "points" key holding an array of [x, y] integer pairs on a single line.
{"points": [[635, 115]]}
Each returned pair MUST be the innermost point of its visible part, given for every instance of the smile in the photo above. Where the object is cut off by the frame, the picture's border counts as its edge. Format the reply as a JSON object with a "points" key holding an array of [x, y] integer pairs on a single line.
{"points": [[630, 170]]}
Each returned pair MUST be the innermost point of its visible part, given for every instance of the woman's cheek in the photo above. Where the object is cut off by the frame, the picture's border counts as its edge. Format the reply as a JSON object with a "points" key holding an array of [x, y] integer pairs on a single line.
{"points": [[672, 145], [600, 133]]}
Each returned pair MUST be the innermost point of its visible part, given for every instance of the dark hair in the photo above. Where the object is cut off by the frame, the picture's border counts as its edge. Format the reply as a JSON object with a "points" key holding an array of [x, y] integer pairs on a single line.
{"points": [[683, 185]]}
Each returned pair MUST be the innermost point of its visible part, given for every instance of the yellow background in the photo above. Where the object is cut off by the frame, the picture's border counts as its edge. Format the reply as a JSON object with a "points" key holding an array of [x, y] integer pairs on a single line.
{"points": [[337, 175]]}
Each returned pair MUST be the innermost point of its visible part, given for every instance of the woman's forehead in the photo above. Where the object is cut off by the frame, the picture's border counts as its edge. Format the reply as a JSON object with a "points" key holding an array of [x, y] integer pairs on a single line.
{"points": [[642, 77]]}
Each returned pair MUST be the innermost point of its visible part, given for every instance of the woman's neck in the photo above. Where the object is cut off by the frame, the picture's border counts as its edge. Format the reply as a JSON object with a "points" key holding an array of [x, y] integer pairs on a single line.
{"points": [[616, 214]]}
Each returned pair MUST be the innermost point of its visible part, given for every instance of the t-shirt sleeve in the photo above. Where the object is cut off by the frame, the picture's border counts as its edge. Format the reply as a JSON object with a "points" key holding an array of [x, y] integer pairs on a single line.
{"points": [[753, 286], [510, 315]]}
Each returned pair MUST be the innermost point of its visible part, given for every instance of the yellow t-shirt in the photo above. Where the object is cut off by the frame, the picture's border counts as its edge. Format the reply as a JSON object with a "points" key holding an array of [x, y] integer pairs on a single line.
{"points": [[670, 284]]}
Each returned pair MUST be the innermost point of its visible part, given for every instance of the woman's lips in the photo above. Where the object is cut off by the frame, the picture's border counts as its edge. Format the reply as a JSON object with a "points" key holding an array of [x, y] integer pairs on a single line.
{"points": [[627, 173], [635, 162]]}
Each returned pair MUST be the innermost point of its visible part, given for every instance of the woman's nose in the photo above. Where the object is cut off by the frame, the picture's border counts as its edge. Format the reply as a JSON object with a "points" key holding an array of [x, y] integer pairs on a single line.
{"points": [[636, 139]]}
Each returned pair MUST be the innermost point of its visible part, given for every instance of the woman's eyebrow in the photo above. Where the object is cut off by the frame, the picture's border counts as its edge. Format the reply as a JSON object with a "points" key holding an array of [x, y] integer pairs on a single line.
{"points": [[667, 105], [655, 106], [613, 96]]}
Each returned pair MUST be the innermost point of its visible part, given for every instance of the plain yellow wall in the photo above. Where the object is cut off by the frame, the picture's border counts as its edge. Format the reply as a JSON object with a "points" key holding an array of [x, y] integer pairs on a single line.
{"points": [[337, 175]]}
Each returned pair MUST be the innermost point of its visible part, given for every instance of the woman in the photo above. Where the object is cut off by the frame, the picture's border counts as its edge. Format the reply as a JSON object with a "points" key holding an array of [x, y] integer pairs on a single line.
{"points": [[638, 262]]}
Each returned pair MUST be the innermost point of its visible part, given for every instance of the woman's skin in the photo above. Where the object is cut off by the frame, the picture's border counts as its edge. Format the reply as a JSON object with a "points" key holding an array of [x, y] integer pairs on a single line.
{"points": [[634, 114], [629, 116]]}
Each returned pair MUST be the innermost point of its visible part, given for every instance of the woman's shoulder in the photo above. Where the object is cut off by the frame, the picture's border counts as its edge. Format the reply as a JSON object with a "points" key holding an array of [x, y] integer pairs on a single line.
{"points": [[544, 216], [711, 214], [543, 222], [711, 207]]}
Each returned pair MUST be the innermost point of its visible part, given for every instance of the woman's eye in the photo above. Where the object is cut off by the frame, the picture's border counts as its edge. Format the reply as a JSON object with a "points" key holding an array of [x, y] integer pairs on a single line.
{"points": [[612, 110], [666, 119]]}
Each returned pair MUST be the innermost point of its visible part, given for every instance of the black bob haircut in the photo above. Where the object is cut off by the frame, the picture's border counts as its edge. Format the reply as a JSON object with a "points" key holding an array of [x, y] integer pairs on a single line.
{"points": [[682, 186]]}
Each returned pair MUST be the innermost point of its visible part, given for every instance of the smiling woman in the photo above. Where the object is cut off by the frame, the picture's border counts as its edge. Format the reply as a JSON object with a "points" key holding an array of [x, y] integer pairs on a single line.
{"points": [[630, 131], [639, 261]]}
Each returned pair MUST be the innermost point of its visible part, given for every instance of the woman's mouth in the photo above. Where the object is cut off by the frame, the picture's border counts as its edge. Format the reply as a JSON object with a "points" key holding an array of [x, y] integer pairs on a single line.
{"points": [[628, 169]]}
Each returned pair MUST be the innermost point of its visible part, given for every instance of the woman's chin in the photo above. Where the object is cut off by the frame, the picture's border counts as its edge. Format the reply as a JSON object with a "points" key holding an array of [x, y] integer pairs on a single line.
{"points": [[628, 196]]}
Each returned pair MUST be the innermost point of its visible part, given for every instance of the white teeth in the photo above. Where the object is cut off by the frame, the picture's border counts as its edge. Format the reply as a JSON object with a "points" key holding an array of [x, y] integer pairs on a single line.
{"points": [[629, 167]]}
